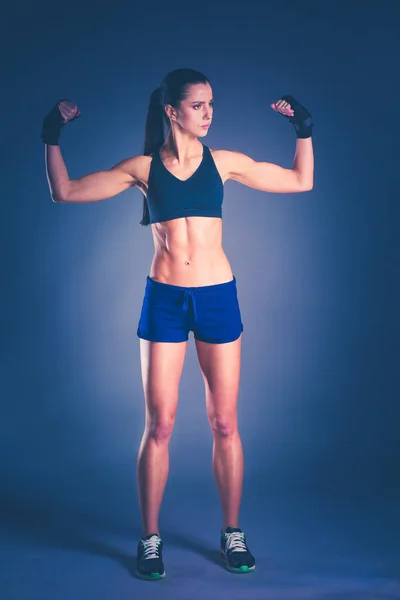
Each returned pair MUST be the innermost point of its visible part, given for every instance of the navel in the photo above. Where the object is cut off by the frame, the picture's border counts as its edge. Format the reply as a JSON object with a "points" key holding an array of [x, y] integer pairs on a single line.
{"points": [[187, 263]]}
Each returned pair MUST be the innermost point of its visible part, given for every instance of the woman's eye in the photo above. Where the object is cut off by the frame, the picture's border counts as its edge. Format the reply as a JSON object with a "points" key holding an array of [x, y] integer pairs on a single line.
{"points": [[198, 105]]}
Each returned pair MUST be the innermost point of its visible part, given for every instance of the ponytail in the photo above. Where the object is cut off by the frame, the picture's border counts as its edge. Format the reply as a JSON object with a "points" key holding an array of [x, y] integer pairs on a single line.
{"points": [[154, 137]]}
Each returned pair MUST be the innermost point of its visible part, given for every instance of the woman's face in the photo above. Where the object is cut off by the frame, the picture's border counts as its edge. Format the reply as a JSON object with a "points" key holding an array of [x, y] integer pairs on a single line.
{"points": [[196, 110]]}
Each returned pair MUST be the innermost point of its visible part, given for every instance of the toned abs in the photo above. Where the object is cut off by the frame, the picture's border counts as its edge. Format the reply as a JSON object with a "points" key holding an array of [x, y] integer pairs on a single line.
{"points": [[188, 251]]}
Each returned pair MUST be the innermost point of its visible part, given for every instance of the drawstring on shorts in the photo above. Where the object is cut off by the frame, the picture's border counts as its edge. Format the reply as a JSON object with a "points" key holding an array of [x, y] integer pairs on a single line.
{"points": [[186, 294]]}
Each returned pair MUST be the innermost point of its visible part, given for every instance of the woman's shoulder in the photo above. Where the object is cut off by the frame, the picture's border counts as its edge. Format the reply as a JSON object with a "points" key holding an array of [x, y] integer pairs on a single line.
{"points": [[222, 159], [222, 155], [138, 165]]}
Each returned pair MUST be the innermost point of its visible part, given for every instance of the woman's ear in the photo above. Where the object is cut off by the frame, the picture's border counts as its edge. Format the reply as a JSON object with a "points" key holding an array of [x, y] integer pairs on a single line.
{"points": [[170, 111]]}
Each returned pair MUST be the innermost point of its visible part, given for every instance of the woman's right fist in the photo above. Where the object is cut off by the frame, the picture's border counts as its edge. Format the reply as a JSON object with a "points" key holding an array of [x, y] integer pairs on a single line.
{"points": [[68, 110], [63, 112]]}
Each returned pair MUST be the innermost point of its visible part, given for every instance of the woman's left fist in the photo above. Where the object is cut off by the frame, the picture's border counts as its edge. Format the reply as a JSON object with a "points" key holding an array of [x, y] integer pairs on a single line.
{"points": [[297, 114], [283, 107]]}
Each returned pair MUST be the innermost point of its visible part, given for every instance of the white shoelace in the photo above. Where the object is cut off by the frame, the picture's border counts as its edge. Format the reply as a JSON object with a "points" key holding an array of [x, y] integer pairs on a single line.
{"points": [[151, 547], [235, 542]]}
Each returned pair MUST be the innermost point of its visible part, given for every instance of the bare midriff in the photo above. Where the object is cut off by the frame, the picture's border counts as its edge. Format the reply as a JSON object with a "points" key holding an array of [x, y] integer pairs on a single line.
{"points": [[189, 253]]}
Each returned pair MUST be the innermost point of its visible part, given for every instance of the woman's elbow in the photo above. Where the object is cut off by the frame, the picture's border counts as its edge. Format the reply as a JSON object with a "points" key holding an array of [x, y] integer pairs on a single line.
{"points": [[306, 186], [58, 199]]}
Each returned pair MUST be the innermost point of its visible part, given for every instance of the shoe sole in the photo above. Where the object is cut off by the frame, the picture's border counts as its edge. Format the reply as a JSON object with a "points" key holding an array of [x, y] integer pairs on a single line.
{"points": [[242, 569], [151, 577]]}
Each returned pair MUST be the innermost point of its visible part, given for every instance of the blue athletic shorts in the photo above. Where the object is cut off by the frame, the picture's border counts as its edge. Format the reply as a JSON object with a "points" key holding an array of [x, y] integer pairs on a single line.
{"points": [[169, 312]]}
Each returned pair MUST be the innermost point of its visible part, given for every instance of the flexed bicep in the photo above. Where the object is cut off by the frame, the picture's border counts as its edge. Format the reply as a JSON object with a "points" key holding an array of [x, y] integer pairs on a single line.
{"points": [[102, 185]]}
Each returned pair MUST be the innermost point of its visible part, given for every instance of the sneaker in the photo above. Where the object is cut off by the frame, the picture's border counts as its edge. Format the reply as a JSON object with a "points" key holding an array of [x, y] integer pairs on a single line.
{"points": [[149, 563], [234, 551]]}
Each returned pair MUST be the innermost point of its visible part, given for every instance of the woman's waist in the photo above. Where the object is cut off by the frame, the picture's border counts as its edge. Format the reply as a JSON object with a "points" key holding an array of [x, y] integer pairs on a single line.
{"points": [[191, 269]]}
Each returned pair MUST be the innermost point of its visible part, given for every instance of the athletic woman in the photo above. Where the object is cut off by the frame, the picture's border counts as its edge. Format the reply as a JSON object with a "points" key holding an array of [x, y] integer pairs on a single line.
{"points": [[190, 286]]}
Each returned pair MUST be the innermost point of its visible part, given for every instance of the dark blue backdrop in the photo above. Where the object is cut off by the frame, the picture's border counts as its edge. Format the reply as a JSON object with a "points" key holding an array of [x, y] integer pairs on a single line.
{"points": [[317, 277]]}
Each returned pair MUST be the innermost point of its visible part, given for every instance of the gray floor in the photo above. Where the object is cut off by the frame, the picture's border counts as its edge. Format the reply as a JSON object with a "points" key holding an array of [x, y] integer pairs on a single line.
{"points": [[306, 547]]}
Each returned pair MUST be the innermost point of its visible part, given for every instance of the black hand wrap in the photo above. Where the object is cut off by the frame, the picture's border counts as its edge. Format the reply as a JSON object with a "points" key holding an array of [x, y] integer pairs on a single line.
{"points": [[52, 125], [302, 119]]}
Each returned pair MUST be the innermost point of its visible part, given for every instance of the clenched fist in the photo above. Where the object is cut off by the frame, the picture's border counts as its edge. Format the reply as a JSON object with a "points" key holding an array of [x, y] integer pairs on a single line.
{"points": [[63, 112], [283, 107], [297, 114]]}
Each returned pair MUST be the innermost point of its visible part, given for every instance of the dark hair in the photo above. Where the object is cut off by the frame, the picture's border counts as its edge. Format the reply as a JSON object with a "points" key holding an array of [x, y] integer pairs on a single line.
{"points": [[172, 91]]}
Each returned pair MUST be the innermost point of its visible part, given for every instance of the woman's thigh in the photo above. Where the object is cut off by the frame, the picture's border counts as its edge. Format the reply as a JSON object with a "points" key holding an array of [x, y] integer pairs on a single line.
{"points": [[220, 368], [161, 366]]}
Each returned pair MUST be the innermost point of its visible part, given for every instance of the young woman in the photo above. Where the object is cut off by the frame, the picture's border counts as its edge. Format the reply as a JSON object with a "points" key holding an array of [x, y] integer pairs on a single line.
{"points": [[191, 286]]}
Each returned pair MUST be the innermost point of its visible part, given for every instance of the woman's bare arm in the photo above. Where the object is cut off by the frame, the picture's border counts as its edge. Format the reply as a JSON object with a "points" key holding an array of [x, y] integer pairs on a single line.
{"points": [[89, 188], [268, 177]]}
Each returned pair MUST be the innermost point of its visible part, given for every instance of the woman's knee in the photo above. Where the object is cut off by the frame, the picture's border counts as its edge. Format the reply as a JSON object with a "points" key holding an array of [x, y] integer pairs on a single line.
{"points": [[223, 425], [160, 428]]}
